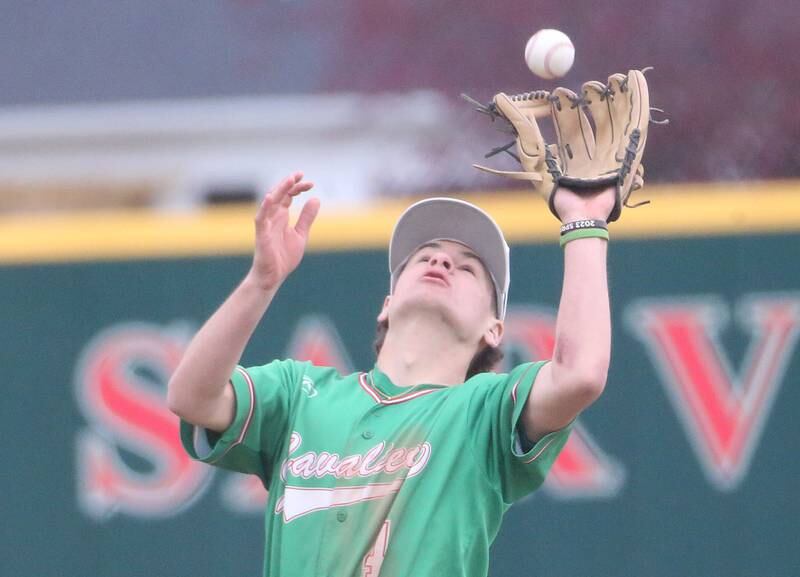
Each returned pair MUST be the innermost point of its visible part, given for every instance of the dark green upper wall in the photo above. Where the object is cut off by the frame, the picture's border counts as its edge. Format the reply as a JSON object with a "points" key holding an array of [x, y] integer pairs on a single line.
{"points": [[665, 511]]}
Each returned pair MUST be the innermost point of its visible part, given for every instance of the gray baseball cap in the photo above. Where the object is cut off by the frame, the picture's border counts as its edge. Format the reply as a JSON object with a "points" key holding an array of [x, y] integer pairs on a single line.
{"points": [[457, 220]]}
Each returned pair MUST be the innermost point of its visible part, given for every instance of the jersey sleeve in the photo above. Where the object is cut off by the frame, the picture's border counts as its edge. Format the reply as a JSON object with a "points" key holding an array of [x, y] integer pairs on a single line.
{"points": [[514, 467], [263, 405]]}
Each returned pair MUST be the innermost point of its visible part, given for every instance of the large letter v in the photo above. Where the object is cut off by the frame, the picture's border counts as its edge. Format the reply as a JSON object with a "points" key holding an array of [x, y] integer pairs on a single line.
{"points": [[722, 412]]}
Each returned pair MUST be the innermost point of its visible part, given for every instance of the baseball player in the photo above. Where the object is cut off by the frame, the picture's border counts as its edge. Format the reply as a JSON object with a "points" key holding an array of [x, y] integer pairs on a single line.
{"points": [[407, 468]]}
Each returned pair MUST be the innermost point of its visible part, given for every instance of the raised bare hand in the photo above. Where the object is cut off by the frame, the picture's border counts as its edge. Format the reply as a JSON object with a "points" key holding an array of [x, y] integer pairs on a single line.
{"points": [[279, 247]]}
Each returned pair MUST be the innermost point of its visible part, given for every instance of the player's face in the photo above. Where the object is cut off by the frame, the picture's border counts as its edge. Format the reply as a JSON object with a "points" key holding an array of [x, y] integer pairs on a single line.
{"points": [[448, 279]]}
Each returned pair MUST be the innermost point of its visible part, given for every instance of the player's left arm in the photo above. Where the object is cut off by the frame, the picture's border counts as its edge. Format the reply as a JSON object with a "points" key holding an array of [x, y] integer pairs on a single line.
{"points": [[577, 374]]}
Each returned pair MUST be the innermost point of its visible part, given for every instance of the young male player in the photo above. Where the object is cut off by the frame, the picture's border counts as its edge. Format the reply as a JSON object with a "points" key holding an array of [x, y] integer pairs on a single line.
{"points": [[406, 469]]}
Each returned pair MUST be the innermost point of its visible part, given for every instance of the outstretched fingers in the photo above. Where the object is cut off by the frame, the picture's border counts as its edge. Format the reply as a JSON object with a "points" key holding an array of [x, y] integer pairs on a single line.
{"points": [[307, 216], [298, 188], [281, 195]]}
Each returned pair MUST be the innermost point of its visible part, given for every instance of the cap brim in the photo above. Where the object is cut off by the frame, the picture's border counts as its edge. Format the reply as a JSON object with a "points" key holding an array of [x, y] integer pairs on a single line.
{"points": [[453, 219]]}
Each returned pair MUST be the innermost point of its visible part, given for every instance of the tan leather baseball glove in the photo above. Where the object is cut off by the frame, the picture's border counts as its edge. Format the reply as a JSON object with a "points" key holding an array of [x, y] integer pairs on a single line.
{"points": [[601, 137]]}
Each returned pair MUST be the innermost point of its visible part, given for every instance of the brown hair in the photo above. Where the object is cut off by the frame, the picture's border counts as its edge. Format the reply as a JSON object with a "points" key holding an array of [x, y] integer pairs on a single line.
{"points": [[484, 361]]}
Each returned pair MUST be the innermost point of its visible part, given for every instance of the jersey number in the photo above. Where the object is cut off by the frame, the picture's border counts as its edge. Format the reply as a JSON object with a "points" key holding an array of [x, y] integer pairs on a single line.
{"points": [[374, 557]]}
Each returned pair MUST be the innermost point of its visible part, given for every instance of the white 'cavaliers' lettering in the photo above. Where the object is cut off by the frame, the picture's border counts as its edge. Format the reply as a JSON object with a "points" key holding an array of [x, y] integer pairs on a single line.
{"points": [[379, 459], [299, 501]]}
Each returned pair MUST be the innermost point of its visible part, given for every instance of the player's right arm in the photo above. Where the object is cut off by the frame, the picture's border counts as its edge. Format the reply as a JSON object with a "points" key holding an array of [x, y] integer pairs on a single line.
{"points": [[199, 391]]}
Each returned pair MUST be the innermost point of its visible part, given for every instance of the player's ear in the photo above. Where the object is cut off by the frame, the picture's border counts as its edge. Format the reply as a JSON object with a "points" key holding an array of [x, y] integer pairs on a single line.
{"points": [[493, 335], [384, 314]]}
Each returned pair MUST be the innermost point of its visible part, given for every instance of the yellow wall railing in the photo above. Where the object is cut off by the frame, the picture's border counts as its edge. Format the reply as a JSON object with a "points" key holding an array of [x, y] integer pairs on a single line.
{"points": [[676, 211]]}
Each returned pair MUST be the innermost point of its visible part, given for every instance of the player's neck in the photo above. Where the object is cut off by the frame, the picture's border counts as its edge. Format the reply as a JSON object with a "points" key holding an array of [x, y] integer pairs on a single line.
{"points": [[420, 350]]}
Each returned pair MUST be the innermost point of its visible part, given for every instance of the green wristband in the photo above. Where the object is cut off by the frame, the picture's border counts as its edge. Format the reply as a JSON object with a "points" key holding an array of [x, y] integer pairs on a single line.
{"points": [[584, 233]]}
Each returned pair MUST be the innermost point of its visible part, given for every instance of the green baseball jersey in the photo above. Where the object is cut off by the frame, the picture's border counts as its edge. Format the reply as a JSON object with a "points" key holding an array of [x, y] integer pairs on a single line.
{"points": [[367, 478]]}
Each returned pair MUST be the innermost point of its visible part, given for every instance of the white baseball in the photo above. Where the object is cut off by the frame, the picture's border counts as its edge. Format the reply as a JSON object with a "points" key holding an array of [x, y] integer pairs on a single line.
{"points": [[549, 53]]}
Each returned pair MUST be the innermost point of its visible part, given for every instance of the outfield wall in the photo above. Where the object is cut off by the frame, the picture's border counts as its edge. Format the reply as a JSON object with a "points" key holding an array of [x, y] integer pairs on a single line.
{"points": [[683, 468]]}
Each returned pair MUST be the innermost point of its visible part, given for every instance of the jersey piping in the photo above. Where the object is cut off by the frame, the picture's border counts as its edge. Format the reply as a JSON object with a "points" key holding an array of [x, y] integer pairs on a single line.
{"points": [[538, 454], [382, 398], [248, 420], [542, 450], [514, 388]]}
